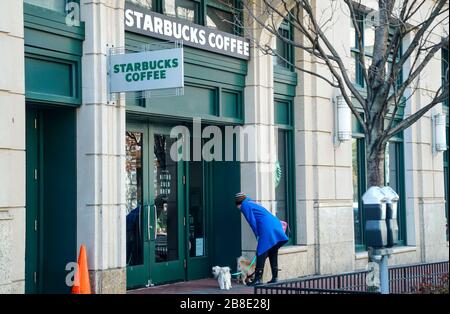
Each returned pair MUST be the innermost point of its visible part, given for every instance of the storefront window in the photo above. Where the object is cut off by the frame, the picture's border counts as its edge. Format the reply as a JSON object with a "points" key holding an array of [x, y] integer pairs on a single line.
{"points": [[358, 187], [182, 9], [284, 51], [284, 176], [368, 40], [280, 176], [196, 210], [391, 172], [218, 14], [134, 208], [393, 178], [219, 19], [54, 5], [144, 3], [165, 186]]}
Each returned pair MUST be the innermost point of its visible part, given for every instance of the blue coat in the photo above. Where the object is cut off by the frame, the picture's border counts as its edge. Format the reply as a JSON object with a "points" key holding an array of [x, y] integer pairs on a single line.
{"points": [[266, 227]]}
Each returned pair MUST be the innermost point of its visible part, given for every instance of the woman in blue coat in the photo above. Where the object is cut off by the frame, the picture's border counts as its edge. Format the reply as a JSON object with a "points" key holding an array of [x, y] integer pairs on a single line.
{"points": [[269, 234]]}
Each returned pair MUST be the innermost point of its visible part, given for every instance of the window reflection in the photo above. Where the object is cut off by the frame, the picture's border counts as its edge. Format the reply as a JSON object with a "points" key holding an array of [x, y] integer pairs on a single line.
{"points": [[220, 20], [166, 199], [369, 38], [143, 3], [182, 9], [196, 210], [54, 5], [134, 210], [357, 214], [353, 39], [392, 175], [280, 175]]}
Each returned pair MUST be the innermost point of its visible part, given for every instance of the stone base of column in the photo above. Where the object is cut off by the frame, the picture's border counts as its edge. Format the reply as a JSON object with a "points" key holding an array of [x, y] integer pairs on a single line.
{"points": [[433, 224], [334, 235], [5, 252], [108, 281]]}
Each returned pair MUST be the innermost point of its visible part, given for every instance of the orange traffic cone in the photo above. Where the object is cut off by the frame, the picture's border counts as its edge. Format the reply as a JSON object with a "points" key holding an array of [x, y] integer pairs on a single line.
{"points": [[82, 284]]}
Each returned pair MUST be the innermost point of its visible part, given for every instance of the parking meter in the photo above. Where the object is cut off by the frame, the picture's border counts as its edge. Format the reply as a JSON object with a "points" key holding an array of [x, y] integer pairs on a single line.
{"points": [[374, 207], [391, 215]]}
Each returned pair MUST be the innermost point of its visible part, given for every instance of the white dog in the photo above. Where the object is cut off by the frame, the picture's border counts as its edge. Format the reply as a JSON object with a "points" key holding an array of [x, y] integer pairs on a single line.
{"points": [[223, 276]]}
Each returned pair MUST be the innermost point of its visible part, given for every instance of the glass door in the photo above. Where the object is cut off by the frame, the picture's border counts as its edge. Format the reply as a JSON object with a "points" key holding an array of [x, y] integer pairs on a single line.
{"points": [[137, 205], [167, 239], [198, 201]]}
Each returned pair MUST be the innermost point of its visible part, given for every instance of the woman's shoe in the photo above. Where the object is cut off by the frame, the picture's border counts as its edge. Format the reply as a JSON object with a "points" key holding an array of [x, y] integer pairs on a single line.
{"points": [[274, 275], [258, 276]]}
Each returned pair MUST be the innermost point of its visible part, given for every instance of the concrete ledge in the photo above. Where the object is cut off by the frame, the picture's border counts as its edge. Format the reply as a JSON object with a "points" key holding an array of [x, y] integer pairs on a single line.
{"points": [[404, 249], [396, 250], [361, 255], [293, 249]]}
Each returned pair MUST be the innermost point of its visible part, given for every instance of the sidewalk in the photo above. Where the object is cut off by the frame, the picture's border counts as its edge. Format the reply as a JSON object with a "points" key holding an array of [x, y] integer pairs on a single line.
{"points": [[202, 286]]}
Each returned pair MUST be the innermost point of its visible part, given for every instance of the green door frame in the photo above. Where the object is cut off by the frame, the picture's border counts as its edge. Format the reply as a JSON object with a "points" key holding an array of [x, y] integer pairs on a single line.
{"points": [[33, 258], [50, 241], [151, 272], [171, 270], [199, 266], [138, 275], [186, 267]]}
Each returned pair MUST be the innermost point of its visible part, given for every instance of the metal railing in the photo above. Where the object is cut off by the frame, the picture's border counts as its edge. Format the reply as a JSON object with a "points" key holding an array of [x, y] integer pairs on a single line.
{"points": [[402, 279]]}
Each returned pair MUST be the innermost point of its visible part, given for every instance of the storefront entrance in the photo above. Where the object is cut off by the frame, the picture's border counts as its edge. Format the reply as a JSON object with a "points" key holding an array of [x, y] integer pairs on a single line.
{"points": [[50, 197], [169, 210]]}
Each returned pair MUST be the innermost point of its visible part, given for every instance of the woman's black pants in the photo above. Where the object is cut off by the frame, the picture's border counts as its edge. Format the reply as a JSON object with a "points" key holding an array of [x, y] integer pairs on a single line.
{"points": [[272, 253]]}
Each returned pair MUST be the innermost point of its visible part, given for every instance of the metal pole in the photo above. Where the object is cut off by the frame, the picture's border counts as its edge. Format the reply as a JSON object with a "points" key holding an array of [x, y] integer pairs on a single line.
{"points": [[384, 275]]}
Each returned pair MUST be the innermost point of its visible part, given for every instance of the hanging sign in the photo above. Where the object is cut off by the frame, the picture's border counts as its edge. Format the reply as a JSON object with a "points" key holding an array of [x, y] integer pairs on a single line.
{"points": [[148, 70], [146, 22]]}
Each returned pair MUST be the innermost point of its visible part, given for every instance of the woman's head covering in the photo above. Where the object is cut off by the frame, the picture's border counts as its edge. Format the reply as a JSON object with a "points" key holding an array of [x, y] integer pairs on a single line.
{"points": [[240, 197]]}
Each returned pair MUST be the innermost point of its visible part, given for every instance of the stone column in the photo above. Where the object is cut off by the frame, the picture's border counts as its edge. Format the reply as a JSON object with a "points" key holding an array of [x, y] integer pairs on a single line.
{"points": [[426, 222], [101, 151], [323, 170], [257, 170], [12, 148]]}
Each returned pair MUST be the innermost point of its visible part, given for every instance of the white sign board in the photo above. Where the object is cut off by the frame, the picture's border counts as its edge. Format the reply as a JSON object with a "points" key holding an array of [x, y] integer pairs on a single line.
{"points": [[199, 247], [148, 70]]}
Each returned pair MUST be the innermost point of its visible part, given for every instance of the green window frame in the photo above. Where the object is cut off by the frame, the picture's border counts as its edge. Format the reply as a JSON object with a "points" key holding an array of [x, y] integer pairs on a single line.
{"points": [[52, 5], [284, 49], [202, 7], [358, 75], [396, 144], [360, 184], [285, 168]]}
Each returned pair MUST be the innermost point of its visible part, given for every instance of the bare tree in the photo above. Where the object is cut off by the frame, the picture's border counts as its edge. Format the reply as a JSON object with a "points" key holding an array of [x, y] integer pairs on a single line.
{"points": [[384, 93]]}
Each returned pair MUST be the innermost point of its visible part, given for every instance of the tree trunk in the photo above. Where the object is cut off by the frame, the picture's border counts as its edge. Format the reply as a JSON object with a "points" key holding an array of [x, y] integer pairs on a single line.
{"points": [[375, 164]]}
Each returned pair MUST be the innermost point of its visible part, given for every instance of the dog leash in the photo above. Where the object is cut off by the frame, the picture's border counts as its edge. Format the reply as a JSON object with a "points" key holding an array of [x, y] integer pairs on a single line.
{"points": [[251, 264]]}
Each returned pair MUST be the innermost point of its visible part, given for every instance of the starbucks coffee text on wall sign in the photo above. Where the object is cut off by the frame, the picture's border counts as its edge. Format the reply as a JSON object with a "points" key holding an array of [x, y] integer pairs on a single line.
{"points": [[143, 21], [148, 70]]}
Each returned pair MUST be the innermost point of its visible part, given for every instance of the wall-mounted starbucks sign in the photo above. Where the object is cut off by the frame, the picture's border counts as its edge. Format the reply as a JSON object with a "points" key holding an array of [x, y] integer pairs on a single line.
{"points": [[143, 21], [148, 70]]}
